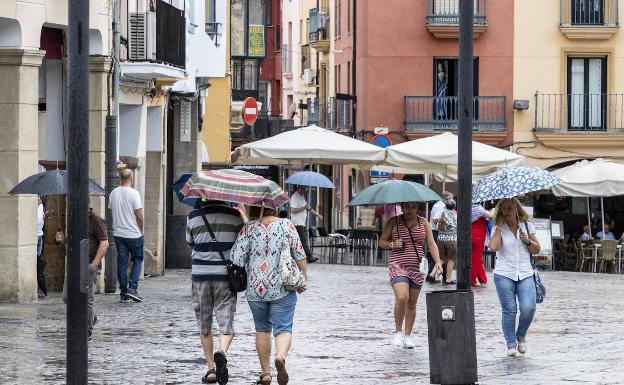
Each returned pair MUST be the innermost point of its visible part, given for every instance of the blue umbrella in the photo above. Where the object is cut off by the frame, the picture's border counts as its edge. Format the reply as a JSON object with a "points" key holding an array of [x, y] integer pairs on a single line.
{"points": [[512, 181], [177, 186], [310, 178]]}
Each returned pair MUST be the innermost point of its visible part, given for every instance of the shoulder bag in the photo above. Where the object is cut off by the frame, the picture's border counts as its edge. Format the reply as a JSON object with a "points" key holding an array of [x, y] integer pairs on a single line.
{"points": [[424, 263], [540, 289], [237, 276], [292, 278]]}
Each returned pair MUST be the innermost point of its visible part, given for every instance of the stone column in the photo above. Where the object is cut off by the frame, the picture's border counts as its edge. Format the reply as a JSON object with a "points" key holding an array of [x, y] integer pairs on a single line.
{"points": [[98, 97], [153, 251], [19, 98]]}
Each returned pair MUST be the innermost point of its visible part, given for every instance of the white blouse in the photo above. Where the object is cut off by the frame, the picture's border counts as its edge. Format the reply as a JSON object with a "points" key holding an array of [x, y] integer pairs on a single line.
{"points": [[513, 259]]}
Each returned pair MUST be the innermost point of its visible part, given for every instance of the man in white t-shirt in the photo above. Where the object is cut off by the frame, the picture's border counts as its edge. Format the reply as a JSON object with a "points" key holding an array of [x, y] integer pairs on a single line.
{"points": [[126, 210], [298, 215], [436, 211]]}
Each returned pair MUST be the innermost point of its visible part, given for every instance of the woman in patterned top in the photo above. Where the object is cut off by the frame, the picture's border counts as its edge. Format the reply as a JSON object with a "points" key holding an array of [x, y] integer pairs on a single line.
{"points": [[258, 248], [405, 235], [447, 239]]}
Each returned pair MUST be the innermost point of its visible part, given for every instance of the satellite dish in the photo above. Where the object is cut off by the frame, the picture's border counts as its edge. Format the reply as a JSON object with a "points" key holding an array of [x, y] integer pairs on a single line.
{"points": [[292, 110]]}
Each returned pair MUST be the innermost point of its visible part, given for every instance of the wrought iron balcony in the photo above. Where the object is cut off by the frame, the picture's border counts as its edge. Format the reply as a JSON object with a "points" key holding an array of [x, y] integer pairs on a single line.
{"points": [[433, 113], [170, 34], [579, 113], [333, 114], [589, 19], [443, 18], [213, 30], [318, 29]]}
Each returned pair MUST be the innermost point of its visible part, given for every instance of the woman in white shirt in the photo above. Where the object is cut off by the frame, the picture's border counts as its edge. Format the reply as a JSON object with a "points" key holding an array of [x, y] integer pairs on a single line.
{"points": [[513, 239]]}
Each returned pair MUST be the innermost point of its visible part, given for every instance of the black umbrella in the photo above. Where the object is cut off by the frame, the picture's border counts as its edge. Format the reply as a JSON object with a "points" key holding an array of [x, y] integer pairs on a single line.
{"points": [[50, 183]]}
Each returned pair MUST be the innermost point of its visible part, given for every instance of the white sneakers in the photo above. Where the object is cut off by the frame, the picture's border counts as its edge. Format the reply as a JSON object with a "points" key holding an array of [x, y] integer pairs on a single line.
{"points": [[398, 339], [408, 343], [520, 348], [402, 340]]}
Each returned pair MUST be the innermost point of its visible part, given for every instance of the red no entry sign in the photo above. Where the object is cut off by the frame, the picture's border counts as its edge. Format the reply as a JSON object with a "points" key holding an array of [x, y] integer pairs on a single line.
{"points": [[250, 111]]}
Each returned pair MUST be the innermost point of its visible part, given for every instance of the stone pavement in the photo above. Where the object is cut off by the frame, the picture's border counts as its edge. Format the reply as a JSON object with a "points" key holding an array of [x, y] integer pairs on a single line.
{"points": [[343, 329]]}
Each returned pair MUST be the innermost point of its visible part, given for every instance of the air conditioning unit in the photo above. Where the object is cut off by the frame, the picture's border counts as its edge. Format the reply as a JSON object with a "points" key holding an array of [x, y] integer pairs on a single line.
{"points": [[309, 77], [142, 36]]}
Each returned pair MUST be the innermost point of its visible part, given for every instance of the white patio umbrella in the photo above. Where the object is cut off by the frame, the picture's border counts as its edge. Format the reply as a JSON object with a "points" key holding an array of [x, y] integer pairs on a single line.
{"points": [[311, 144], [597, 178], [439, 153]]}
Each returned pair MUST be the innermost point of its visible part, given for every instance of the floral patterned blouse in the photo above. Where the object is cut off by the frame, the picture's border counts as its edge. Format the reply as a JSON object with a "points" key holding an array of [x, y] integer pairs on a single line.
{"points": [[258, 248]]}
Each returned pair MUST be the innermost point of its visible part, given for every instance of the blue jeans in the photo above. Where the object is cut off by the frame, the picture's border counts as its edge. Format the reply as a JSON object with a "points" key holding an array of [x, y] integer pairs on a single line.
{"points": [[126, 247], [507, 290], [277, 315]]}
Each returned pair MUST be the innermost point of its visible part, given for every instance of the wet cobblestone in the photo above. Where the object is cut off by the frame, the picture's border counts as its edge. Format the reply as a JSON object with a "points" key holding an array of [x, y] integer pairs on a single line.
{"points": [[343, 329]]}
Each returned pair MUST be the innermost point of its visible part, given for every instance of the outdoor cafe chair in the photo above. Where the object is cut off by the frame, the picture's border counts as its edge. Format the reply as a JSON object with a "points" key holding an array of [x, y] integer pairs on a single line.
{"points": [[586, 253], [364, 246], [608, 254]]}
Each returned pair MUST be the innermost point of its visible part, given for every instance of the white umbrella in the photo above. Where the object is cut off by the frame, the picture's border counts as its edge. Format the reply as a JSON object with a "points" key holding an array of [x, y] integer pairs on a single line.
{"points": [[312, 144], [439, 153], [597, 178]]}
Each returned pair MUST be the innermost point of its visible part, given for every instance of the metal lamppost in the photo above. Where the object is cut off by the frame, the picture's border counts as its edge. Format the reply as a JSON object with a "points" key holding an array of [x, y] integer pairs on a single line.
{"points": [[78, 192], [450, 314]]}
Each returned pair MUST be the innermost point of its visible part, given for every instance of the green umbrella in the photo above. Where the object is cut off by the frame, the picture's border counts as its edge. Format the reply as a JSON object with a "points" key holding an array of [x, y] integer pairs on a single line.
{"points": [[394, 191]]}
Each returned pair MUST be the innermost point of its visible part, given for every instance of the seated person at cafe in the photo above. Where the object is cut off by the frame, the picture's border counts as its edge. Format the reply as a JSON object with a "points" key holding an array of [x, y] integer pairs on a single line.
{"points": [[586, 236], [608, 235]]}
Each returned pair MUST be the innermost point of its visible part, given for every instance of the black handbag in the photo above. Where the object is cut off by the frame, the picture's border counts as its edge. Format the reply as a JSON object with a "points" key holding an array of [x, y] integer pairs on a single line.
{"points": [[237, 276]]}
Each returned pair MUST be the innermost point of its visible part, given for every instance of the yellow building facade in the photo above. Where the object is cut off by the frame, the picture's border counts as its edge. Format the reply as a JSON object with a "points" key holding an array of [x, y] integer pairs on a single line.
{"points": [[569, 66]]}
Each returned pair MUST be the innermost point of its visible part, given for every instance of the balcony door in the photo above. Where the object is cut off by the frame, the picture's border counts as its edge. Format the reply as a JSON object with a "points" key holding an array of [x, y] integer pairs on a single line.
{"points": [[587, 107], [587, 12], [446, 88]]}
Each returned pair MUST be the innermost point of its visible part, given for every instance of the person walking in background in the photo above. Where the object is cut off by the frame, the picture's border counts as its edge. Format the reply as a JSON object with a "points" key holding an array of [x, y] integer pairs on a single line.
{"points": [[98, 245], [447, 240], [479, 217], [405, 235], [299, 208], [211, 293], [259, 248], [42, 215], [126, 211], [513, 239], [436, 211]]}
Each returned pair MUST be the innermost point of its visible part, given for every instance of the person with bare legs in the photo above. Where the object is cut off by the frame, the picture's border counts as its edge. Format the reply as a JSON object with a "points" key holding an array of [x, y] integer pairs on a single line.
{"points": [[405, 236], [259, 249]]}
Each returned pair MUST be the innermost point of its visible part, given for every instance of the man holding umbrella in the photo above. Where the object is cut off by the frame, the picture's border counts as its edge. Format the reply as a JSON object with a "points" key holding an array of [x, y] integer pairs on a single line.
{"points": [[299, 208]]}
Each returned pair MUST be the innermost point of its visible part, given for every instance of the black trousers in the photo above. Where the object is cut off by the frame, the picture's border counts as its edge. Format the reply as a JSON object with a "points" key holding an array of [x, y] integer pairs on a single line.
{"points": [[430, 258], [41, 279], [301, 230]]}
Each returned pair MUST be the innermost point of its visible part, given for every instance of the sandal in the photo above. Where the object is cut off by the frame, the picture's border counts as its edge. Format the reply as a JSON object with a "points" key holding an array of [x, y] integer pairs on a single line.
{"points": [[221, 367], [282, 374], [263, 380], [210, 377]]}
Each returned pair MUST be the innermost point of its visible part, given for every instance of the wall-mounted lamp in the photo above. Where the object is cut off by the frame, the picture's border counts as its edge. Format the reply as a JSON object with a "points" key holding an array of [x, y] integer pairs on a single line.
{"points": [[521, 104]]}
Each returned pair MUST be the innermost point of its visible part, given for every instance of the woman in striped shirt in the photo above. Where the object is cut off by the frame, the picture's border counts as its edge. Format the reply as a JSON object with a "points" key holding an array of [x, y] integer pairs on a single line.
{"points": [[405, 235]]}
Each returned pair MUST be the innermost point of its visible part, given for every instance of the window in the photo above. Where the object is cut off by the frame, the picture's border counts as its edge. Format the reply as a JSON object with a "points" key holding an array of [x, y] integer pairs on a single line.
{"points": [[238, 29], [348, 77], [268, 12], [265, 97], [306, 58], [247, 28], [445, 87], [245, 74], [338, 85], [337, 19], [587, 12], [211, 11], [587, 78]]}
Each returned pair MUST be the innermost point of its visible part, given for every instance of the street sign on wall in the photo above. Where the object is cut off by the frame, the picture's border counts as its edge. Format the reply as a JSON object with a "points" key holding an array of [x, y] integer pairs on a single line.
{"points": [[250, 111], [380, 140]]}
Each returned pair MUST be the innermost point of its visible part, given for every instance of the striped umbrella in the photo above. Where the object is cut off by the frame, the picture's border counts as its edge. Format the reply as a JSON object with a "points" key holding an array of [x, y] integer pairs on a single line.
{"points": [[235, 186]]}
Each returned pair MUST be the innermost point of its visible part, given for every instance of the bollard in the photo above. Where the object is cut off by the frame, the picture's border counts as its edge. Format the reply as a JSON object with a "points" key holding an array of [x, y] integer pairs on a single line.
{"points": [[452, 340]]}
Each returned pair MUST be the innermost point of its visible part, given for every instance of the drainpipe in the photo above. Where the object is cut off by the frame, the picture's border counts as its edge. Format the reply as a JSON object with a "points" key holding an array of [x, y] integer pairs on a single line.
{"points": [[354, 69], [112, 122]]}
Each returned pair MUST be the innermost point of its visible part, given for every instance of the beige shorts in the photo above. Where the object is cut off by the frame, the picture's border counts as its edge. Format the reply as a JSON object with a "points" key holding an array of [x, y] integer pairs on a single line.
{"points": [[448, 250], [214, 297]]}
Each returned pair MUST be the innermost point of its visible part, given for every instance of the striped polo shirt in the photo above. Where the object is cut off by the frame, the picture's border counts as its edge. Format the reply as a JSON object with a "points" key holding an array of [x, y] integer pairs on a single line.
{"points": [[225, 222]]}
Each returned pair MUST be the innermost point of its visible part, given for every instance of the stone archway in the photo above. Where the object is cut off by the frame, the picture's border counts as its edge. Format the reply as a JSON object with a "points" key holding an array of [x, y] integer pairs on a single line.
{"points": [[10, 33]]}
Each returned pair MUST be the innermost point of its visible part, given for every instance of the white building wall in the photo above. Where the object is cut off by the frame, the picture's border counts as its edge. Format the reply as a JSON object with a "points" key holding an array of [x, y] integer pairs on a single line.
{"points": [[290, 87], [203, 57]]}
